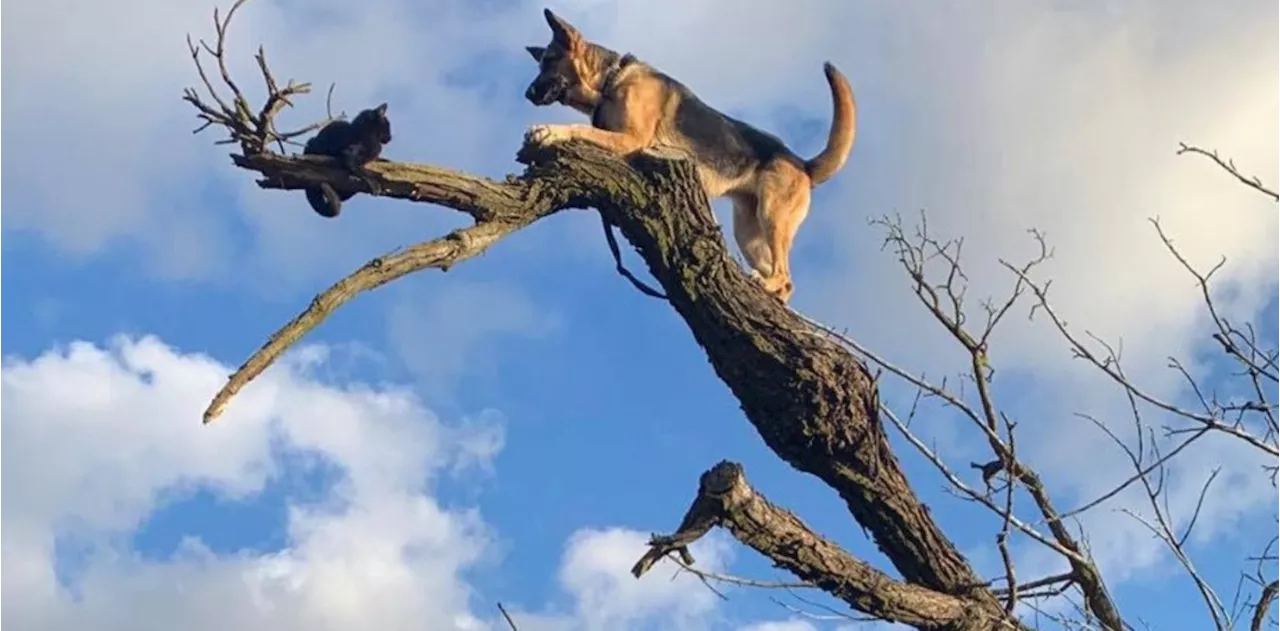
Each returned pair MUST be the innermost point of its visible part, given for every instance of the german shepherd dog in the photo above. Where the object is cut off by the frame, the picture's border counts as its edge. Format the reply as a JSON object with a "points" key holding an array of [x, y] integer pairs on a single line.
{"points": [[633, 107]]}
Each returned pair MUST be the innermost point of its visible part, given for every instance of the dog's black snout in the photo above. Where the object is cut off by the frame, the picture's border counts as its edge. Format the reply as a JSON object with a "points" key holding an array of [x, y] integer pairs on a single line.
{"points": [[543, 91]]}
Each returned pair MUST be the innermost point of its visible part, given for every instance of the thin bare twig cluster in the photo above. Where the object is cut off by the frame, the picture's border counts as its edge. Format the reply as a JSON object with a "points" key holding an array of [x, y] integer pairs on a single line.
{"points": [[945, 300], [1247, 414], [253, 130]]}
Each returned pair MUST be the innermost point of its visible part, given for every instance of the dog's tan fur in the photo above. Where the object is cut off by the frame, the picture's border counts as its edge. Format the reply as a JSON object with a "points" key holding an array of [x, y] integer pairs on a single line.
{"points": [[634, 107]]}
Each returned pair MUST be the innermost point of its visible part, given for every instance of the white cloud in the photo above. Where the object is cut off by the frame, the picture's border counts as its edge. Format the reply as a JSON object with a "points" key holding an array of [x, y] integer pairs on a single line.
{"points": [[97, 438], [596, 569], [100, 436], [96, 119]]}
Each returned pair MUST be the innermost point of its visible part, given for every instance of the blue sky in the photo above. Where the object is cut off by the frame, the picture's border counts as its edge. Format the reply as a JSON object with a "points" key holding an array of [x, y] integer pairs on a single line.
{"points": [[512, 430]]}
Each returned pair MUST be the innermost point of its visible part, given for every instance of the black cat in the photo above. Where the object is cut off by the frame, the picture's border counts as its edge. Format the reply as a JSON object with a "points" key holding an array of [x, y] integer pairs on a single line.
{"points": [[354, 143]]}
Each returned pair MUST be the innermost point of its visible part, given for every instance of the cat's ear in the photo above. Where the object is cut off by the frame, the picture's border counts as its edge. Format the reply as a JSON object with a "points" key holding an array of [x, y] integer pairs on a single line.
{"points": [[381, 109], [536, 52]]}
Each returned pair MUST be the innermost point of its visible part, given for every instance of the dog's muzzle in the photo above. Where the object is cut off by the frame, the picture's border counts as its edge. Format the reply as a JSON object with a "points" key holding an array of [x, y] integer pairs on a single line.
{"points": [[545, 91]]}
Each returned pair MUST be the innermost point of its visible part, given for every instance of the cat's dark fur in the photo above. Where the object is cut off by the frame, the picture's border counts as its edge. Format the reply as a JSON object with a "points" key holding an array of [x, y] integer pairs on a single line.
{"points": [[354, 143]]}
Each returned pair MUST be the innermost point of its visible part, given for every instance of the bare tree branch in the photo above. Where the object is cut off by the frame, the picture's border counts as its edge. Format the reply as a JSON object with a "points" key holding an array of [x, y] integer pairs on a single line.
{"points": [[1108, 364], [622, 269], [725, 499], [945, 301], [441, 253], [1230, 167], [506, 616], [1265, 600], [253, 132], [729, 579]]}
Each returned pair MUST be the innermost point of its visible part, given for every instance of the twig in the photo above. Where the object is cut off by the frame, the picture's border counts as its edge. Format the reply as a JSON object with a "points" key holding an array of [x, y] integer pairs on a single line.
{"points": [[833, 613], [511, 623], [1225, 332], [1002, 539], [1265, 599], [1106, 365], [253, 131], [1142, 471], [622, 269], [945, 301], [1163, 530], [1065, 578], [1230, 167], [737, 580], [932, 456]]}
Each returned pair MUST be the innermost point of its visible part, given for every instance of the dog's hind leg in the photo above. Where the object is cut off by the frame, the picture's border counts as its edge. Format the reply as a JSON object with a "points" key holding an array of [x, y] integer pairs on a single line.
{"points": [[784, 194], [749, 234]]}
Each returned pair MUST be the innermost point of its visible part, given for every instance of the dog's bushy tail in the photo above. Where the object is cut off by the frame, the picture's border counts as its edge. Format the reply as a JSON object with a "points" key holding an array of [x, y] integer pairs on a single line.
{"points": [[844, 126]]}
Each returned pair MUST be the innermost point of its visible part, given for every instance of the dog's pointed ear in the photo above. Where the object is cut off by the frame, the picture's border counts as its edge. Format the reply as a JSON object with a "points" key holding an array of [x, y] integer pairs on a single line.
{"points": [[536, 52], [564, 32]]}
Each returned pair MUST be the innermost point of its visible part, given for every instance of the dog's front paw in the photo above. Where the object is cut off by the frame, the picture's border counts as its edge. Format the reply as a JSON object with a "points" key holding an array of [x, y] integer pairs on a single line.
{"points": [[543, 135]]}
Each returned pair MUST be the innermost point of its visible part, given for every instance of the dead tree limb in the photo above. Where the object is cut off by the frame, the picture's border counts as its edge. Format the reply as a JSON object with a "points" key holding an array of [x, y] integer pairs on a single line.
{"points": [[726, 500], [441, 254]]}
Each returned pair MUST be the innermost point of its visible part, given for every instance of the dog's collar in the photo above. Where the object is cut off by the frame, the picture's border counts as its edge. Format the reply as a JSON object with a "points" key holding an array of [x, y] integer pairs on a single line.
{"points": [[611, 73], [607, 81]]}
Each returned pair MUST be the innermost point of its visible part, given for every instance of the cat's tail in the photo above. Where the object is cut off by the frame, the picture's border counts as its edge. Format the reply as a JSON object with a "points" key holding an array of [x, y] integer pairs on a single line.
{"points": [[324, 200]]}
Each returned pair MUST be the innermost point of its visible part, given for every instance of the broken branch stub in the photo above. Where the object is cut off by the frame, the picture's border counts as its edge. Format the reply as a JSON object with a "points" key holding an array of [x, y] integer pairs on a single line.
{"points": [[725, 499]]}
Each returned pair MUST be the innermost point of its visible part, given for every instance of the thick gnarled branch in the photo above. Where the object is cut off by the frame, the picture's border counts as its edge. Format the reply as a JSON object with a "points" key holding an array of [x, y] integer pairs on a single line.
{"points": [[725, 499]]}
